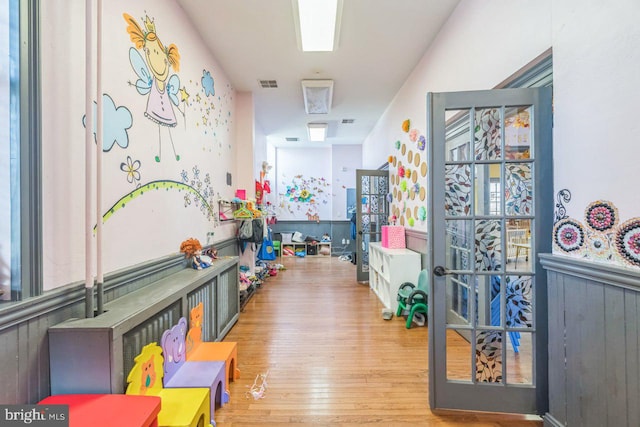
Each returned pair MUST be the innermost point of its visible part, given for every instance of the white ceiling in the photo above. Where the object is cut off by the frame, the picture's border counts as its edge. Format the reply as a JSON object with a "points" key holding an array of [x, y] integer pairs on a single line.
{"points": [[380, 42]]}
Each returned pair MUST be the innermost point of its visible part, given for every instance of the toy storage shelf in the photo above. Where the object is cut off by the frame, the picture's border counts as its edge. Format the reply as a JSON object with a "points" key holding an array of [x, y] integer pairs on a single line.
{"points": [[388, 269], [305, 246], [294, 247]]}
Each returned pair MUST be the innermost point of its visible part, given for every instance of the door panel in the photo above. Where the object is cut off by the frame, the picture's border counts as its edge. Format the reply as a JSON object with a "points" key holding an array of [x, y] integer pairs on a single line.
{"points": [[492, 204], [372, 187]]}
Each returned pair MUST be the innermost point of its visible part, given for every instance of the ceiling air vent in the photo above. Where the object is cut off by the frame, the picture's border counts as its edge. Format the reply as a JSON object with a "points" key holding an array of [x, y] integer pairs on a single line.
{"points": [[291, 139], [268, 83], [347, 121]]}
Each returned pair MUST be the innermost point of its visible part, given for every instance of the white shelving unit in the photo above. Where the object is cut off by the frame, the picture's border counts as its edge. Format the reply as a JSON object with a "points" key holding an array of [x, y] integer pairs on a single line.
{"points": [[388, 269]]}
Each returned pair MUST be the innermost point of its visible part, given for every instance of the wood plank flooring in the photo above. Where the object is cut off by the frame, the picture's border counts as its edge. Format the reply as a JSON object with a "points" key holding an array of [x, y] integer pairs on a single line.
{"points": [[331, 359]]}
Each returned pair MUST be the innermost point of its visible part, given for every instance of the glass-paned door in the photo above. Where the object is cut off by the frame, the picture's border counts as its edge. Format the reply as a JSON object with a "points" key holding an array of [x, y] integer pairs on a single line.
{"points": [[492, 204], [372, 187]]}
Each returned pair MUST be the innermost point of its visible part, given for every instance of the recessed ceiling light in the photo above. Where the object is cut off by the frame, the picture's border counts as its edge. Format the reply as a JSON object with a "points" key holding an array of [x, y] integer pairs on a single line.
{"points": [[318, 24], [347, 121], [317, 131]]}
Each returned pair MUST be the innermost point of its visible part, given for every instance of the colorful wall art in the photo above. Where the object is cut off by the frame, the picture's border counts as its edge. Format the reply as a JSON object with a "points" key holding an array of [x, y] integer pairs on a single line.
{"points": [[408, 176], [305, 196], [601, 236]]}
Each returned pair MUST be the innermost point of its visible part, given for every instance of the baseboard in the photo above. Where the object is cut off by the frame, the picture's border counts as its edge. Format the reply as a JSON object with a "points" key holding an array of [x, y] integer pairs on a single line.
{"points": [[550, 421]]}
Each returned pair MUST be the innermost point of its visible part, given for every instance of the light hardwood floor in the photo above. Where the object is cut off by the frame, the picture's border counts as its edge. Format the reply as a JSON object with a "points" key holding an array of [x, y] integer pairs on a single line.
{"points": [[331, 359]]}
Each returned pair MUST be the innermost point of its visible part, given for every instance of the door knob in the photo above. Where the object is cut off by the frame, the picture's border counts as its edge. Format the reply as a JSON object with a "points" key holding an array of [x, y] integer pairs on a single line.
{"points": [[440, 271]]}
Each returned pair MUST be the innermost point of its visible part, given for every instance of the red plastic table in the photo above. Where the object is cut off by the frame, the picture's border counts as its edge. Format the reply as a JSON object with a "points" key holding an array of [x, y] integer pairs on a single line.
{"points": [[108, 410]]}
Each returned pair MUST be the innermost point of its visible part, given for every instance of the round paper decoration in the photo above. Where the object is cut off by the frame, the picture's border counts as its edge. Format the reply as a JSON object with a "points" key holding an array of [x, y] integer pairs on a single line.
{"points": [[399, 196], [568, 234], [403, 149], [423, 169], [601, 215], [394, 161], [408, 213], [395, 192], [406, 125], [412, 195], [410, 156], [422, 213], [423, 193], [627, 241], [416, 159], [414, 176], [402, 221], [415, 211]]}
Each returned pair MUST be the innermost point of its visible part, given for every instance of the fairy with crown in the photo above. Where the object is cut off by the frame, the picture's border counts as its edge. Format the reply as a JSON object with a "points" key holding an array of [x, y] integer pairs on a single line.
{"points": [[154, 76]]}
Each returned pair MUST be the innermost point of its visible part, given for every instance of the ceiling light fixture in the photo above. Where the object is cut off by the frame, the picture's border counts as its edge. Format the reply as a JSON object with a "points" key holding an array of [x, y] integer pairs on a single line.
{"points": [[317, 95], [317, 131], [317, 24]]}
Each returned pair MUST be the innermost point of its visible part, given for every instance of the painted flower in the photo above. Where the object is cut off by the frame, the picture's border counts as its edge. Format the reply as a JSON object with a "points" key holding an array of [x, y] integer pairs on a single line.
{"points": [[390, 159], [131, 169], [407, 173], [401, 171], [422, 143], [413, 135], [398, 145], [304, 196], [406, 125], [389, 197], [601, 215], [569, 235], [627, 241], [633, 243]]}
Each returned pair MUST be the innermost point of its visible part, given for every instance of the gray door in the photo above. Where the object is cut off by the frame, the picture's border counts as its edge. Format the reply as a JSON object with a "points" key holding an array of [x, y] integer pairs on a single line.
{"points": [[372, 187], [492, 203]]}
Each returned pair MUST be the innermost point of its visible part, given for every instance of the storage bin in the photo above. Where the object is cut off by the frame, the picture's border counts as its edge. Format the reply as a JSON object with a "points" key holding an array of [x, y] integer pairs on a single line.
{"points": [[393, 237]]}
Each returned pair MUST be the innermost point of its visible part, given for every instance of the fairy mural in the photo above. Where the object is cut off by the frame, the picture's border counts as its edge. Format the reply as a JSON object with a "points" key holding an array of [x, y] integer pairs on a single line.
{"points": [[153, 63]]}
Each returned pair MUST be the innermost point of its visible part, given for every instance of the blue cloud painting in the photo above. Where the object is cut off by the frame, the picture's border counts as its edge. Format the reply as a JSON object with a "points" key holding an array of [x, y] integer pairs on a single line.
{"points": [[207, 83], [115, 123]]}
